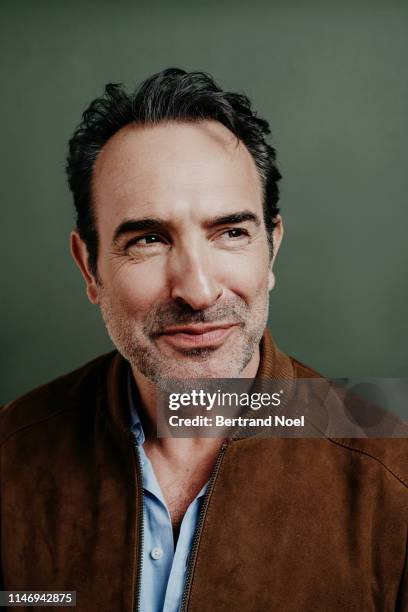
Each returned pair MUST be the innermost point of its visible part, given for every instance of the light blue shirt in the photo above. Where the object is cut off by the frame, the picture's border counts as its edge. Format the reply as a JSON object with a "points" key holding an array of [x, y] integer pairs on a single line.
{"points": [[163, 567]]}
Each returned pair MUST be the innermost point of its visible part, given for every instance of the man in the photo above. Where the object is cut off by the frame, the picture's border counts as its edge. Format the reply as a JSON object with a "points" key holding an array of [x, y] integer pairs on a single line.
{"points": [[177, 232]]}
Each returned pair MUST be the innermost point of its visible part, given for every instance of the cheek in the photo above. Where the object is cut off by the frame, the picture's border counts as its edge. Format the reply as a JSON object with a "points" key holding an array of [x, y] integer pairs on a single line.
{"points": [[136, 288], [247, 277]]}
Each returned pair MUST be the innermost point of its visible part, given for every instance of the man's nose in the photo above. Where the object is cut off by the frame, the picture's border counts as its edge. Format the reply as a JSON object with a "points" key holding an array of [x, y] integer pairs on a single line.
{"points": [[193, 280]]}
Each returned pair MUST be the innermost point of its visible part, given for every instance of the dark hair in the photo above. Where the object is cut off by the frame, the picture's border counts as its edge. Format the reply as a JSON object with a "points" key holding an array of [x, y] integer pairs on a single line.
{"points": [[170, 95]]}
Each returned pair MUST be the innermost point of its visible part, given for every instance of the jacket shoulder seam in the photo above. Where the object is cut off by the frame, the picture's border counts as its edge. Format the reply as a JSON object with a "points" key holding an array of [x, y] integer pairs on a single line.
{"points": [[74, 377], [396, 475], [33, 423], [303, 369]]}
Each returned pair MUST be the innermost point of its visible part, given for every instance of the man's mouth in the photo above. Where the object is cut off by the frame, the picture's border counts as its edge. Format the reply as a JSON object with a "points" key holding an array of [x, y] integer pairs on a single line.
{"points": [[199, 335]]}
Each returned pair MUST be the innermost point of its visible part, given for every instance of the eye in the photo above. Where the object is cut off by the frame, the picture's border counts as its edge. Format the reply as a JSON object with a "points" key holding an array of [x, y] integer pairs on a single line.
{"points": [[234, 235], [144, 246], [144, 241], [236, 232]]}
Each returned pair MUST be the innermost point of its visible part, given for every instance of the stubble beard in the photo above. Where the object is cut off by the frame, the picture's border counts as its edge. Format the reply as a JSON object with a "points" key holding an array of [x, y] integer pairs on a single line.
{"points": [[136, 341]]}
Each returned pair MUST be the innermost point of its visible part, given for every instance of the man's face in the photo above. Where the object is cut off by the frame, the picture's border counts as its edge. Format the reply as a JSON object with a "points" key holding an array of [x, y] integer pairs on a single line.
{"points": [[183, 263]]}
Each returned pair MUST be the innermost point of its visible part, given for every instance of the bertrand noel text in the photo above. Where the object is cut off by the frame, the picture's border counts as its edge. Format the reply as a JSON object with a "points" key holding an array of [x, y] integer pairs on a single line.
{"points": [[221, 421]]}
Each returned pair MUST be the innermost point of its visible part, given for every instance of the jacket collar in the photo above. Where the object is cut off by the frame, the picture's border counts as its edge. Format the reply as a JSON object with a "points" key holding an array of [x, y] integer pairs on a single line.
{"points": [[273, 362]]}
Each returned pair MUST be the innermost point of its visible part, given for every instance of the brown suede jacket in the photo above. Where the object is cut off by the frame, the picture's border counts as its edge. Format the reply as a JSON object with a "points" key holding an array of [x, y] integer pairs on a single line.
{"points": [[292, 525]]}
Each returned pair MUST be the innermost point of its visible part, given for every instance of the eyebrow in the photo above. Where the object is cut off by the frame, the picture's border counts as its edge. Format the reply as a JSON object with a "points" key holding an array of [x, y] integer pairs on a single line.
{"points": [[239, 217], [137, 225]]}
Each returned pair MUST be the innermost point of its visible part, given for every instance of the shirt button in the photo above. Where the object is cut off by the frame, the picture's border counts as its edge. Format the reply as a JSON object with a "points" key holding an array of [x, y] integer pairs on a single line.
{"points": [[156, 553]]}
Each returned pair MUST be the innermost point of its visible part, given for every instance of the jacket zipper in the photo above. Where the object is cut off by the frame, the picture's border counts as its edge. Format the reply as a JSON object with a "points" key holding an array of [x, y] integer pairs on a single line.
{"points": [[140, 500], [199, 529]]}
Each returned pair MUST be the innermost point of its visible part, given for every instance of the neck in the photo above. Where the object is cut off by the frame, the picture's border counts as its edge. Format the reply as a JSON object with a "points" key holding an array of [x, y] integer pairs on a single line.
{"points": [[177, 448]]}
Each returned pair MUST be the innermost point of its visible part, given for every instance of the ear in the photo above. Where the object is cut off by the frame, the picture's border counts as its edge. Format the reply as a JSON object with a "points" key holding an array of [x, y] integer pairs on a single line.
{"points": [[80, 254], [277, 236]]}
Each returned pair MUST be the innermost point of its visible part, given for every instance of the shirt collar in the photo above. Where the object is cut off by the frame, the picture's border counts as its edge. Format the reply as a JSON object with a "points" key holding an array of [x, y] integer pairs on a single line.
{"points": [[136, 426]]}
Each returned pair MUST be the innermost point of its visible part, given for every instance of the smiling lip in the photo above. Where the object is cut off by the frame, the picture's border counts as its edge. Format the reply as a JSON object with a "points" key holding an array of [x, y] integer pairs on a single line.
{"points": [[197, 336]]}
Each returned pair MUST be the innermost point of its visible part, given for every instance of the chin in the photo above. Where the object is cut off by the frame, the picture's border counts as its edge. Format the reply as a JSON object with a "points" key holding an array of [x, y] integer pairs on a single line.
{"points": [[195, 364], [208, 371]]}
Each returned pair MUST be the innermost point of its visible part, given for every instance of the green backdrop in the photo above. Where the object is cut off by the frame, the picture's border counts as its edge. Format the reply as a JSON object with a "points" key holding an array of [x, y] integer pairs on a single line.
{"points": [[332, 79]]}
